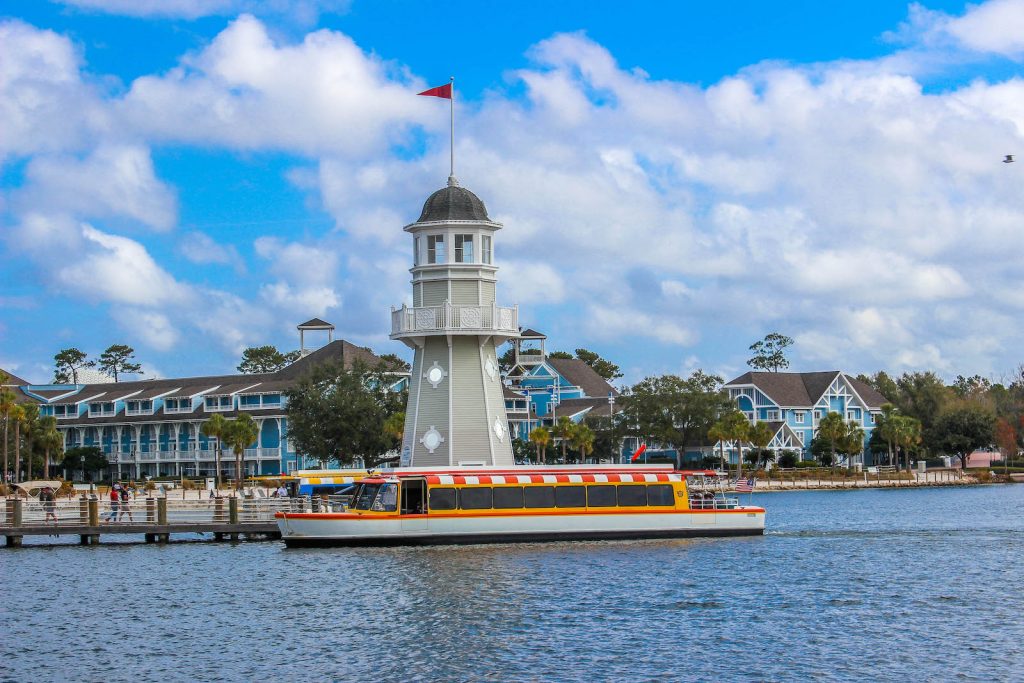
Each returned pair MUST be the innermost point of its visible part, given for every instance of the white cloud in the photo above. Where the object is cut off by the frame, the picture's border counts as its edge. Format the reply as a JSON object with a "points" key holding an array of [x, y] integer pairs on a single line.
{"points": [[112, 181], [120, 270], [304, 11], [995, 26], [246, 91], [309, 301], [201, 249], [154, 328]]}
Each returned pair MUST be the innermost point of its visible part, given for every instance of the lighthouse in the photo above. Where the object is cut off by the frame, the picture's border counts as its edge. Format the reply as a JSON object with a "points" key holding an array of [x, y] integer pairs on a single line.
{"points": [[456, 410]]}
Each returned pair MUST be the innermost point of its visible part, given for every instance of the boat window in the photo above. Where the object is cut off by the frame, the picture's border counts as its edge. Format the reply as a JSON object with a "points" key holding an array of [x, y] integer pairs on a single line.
{"points": [[602, 496], [660, 494], [442, 499], [387, 498], [632, 495], [364, 496], [540, 496], [570, 496], [476, 498], [508, 497]]}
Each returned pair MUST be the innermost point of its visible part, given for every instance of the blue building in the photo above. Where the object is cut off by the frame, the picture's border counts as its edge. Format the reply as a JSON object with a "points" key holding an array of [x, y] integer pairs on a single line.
{"points": [[154, 427], [540, 389], [793, 403]]}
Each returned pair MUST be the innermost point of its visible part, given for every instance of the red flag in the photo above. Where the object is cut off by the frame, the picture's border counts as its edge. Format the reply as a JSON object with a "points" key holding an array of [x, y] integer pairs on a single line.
{"points": [[639, 452], [444, 91]]}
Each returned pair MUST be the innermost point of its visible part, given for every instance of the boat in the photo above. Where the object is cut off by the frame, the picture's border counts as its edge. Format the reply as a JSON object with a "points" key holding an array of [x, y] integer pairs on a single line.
{"points": [[451, 505]]}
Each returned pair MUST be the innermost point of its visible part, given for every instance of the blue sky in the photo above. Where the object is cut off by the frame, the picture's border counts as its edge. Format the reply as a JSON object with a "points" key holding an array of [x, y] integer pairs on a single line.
{"points": [[676, 179]]}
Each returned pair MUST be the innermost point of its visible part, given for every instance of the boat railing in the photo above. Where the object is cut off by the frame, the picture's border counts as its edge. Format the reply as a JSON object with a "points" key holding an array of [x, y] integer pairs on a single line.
{"points": [[716, 503]]}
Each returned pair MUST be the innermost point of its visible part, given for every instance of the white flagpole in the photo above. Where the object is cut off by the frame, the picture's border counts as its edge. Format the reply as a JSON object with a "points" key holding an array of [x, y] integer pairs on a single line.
{"points": [[451, 101]]}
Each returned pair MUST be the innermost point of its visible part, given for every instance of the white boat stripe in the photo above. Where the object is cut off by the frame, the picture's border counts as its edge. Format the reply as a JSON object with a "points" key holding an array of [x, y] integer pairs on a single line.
{"points": [[498, 479], [524, 478], [575, 478], [549, 479], [472, 480], [446, 479]]}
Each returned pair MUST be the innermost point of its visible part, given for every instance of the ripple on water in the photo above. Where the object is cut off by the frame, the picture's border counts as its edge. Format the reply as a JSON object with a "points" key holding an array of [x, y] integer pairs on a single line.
{"points": [[882, 585]]}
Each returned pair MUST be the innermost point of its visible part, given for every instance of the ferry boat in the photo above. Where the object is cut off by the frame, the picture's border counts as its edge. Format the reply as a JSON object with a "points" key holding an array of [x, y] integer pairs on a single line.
{"points": [[413, 506]]}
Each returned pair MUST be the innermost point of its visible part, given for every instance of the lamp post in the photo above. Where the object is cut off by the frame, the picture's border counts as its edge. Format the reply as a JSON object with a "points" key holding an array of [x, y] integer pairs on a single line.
{"points": [[611, 421]]}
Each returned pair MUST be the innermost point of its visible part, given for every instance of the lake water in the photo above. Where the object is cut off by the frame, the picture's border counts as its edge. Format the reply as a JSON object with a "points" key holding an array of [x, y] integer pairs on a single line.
{"points": [[880, 585]]}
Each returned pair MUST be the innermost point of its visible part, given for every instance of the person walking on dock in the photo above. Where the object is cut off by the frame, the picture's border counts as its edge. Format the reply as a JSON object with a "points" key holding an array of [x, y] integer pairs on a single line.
{"points": [[115, 498], [126, 506], [49, 501]]}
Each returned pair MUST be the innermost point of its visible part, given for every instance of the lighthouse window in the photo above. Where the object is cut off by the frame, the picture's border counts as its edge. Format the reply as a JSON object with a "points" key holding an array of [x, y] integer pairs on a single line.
{"points": [[416, 251], [463, 248], [485, 247], [435, 249]]}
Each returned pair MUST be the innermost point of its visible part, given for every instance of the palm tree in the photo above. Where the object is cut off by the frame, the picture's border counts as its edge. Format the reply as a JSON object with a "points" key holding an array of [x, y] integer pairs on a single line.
{"points": [[760, 435], [238, 434], [887, 427], [582, 440], [832, 429], [853, 441], [214, 428], [51, 440], [540, 437], [908, 435], [7, 406], [18, 415], [733, 426], [562, 430]]}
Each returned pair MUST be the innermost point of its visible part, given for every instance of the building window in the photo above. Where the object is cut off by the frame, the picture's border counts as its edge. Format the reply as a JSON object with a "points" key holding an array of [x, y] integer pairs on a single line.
{"points": [[851, 415], [435, 249], [463, 248], [771, 415], [416, 250], [485, 247], [798, 416]]}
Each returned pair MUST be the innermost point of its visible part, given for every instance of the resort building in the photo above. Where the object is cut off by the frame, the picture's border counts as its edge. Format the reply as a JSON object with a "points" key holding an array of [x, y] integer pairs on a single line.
{"points": [[154, 427], [541, 389], [793, 403]]}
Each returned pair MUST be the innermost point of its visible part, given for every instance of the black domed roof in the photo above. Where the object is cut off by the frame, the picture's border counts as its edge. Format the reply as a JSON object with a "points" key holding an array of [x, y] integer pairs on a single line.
{"points": [[453, 203]]}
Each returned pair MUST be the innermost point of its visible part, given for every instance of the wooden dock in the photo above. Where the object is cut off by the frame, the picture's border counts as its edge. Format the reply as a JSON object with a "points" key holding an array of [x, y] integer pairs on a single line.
{"points": [[156, 519]]}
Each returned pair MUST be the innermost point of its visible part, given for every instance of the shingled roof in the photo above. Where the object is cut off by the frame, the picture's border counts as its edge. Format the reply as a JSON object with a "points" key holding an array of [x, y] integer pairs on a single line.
{"points": [[804, 388], [13, 380], [583, 376]]}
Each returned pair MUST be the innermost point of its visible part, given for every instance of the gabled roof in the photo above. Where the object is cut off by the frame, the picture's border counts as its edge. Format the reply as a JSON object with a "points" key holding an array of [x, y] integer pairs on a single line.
{"points": [[338, 351], [530, 333], [583, 376], [13, 380], [509, 394], [316, 324], [598, 407], [804, 388]]}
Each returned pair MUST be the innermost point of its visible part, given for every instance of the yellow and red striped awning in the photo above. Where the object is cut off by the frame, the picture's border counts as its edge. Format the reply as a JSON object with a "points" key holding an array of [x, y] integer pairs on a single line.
{"points": [[596, 478]]}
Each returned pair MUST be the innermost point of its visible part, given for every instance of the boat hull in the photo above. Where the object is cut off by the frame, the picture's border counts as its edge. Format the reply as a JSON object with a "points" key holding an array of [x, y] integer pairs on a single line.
{"points": [[314, 529]]}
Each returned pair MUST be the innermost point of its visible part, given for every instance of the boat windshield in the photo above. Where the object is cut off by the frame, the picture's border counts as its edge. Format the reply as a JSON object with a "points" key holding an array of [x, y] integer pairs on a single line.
{"points": [[377, 497]]}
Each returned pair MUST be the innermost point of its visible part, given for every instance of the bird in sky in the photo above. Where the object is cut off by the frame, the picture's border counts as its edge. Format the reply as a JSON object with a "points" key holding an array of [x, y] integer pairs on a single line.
{"points": [[1008, 159]]}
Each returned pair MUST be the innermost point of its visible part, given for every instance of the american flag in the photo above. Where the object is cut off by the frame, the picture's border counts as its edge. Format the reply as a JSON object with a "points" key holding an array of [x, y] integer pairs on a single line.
{"points": [[745, 485]]}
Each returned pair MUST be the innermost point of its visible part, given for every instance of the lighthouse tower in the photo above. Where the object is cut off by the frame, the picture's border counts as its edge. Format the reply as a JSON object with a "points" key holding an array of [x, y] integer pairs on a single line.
{"points": [[456, 411]]}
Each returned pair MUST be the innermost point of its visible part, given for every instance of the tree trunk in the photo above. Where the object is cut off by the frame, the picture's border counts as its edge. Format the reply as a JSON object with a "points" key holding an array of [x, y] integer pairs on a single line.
{"points": [[739, 460], [17, 451], [238, 470], [46, 464], [7, 426], [216, 454]]}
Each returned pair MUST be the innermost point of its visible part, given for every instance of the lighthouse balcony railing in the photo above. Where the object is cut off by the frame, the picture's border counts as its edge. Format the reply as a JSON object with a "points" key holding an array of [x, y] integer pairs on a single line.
{"points": [[455, 318]]}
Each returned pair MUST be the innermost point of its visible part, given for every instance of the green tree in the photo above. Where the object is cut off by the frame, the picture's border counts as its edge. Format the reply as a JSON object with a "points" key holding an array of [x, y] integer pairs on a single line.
{"points": [[67, 364], [886, 427], [117, 360], [965, 428], [239, 434], [852, 442], [540, 437], [908, 432], [521, 450], [601, 366], [24, 436], [732, 426], [507, 360], [564, 355], [883, 384], [1006, 440], [832, 432], [50, 440], [608, 435], [672, 411], [924, 396], [770, 353], [8, 404], [562, 431], [582, 440], [788, 458], [88, 459], [338, 413], [392, 363], [971, 387], [215, 428], [759, 436], [262, 359]]}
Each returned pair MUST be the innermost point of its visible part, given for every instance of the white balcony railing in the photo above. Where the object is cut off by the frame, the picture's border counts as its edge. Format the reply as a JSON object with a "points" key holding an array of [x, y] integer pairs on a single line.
{"points": [[454, 318]]}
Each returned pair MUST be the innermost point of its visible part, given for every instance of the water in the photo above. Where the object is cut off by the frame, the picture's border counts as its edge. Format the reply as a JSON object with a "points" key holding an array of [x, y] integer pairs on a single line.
{"points": [[879, 585]]}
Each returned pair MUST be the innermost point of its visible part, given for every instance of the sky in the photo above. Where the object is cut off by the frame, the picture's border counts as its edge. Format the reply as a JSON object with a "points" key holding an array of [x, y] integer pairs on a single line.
{"points": [[676, 180]]}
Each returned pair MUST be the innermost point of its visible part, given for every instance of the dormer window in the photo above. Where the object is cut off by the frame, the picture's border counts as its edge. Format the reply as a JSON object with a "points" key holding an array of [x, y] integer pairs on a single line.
{"points": [[105, 408], [218, 404], [435, 249], [139, 408], [485, 248], [463, 248]]}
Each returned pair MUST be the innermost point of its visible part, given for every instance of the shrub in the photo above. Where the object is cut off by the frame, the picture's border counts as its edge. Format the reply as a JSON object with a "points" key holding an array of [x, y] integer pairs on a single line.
{"points": [[66, 488], [188, 484], [149, 486], [788, 458], [983, 476], [804, 464]]}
